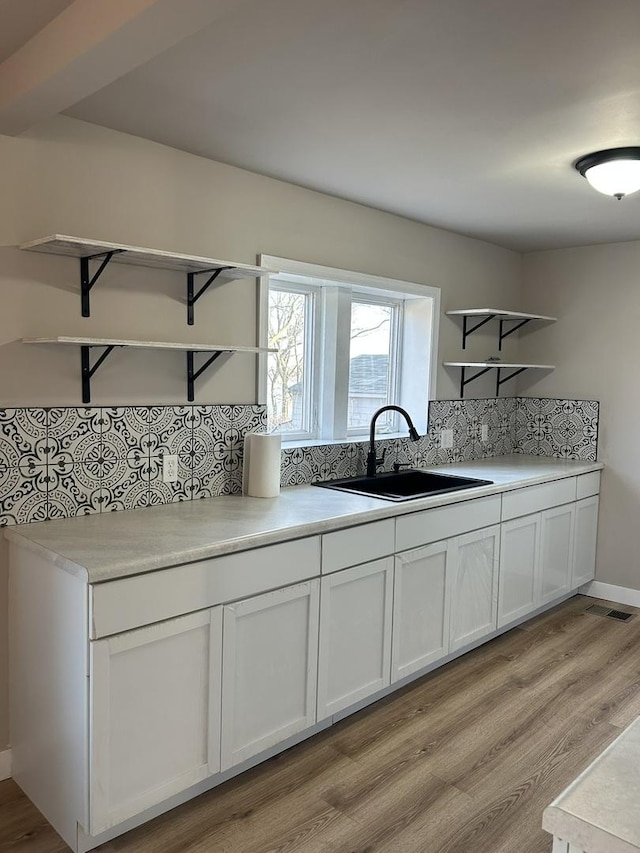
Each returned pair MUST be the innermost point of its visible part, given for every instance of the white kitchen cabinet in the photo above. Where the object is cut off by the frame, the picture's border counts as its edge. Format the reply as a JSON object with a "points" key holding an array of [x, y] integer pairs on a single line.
{"points": [[474, 592], [584, 544], [154, 714], [421, 605], [149, 706], [519, 568], [270, 654], [355, 635], [556, 551]]}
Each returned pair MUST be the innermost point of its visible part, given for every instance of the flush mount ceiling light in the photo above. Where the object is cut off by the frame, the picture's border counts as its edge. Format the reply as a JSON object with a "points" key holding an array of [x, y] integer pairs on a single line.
{"points": [[615, 171]]}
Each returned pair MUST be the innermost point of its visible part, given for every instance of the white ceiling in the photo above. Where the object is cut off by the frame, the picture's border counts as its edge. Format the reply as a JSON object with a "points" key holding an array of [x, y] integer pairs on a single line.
{"points": [[464, 114], [19, 21]]}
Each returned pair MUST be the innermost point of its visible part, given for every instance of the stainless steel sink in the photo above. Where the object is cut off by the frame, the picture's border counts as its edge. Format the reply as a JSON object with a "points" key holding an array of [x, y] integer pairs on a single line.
{"points": [[404, 485]]}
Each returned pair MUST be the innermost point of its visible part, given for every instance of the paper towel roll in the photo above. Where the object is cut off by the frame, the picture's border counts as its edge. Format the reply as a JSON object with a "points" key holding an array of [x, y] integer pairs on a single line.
{"points": [[261, 472]]}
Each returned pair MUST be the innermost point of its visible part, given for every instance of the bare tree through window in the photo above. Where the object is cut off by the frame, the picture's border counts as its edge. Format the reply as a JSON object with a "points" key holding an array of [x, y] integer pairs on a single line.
{"points": [[286, 367]]}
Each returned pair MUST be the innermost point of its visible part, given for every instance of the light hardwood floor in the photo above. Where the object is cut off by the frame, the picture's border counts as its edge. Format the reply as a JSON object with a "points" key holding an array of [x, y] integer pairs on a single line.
{"points": [[462, 761]]}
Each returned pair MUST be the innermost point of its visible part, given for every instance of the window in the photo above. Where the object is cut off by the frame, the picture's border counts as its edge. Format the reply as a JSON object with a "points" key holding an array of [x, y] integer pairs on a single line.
{"points": [[347, 344], [373, 362], [289, 372]]}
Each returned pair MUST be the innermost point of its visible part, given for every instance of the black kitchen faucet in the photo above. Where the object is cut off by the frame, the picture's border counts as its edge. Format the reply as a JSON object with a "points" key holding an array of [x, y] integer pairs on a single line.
{"points": [[372, 459]]}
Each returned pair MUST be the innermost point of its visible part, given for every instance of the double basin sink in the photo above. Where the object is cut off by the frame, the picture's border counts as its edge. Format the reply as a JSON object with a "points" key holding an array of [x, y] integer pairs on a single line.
{"points": [[404, 485]]}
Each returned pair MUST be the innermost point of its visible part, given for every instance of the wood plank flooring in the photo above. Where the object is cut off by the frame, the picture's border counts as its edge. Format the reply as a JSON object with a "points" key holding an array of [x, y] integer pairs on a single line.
{"points": [[462, 761]]}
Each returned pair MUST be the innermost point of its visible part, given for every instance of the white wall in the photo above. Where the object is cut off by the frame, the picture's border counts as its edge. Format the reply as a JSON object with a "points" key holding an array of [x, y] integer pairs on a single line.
{"points": [[75, 178], [595, 293]]}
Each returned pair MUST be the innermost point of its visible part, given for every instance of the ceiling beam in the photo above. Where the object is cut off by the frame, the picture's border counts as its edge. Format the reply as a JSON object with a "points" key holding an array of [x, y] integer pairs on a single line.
{"points": [[88, 46]]}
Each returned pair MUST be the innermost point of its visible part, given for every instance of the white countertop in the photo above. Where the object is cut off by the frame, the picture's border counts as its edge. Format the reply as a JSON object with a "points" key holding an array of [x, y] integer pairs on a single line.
{"points": [[600, 811], [114, 545]]}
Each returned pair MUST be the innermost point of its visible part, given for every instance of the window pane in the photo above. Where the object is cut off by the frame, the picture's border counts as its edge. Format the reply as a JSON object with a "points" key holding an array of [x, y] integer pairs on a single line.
{"points": [[288, 374], [370, 366]]}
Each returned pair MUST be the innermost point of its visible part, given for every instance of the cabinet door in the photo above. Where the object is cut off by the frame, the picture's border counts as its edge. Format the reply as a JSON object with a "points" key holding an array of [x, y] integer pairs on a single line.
{"points": [[584, 545], [518, 591], [556, 551], [270, 665], [421, 601], [474, 595], [155, 714], [355, 635]]}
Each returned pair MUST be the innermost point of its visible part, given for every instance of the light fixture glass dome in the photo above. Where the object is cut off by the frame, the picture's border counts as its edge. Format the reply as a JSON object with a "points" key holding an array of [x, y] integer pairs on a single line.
{"points": [[615, 171]]}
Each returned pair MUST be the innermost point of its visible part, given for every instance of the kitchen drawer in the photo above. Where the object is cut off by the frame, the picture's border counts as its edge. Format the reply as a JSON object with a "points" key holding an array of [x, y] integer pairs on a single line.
{"points": [[588, 484], [536, 498], [432, 525], [127, 603], [356, 545]]}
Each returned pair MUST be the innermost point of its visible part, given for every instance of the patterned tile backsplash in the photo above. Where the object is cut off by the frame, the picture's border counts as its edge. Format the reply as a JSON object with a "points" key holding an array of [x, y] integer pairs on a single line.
{"points": [[541, 427], [62, 462], [561, 428]]}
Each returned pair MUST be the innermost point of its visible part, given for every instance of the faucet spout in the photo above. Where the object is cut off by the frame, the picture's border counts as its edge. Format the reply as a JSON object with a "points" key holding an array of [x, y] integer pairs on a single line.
{"points": [[372, 458]]}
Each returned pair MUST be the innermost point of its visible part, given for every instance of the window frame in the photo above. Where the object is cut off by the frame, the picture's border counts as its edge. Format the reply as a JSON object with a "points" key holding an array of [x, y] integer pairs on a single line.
{"points": [[395, 356], [312, 363], [421, 304]]}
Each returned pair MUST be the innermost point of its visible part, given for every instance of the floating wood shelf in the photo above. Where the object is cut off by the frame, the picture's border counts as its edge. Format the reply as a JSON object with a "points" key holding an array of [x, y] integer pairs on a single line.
{"points": [[108, 345], [192, 265], [520, 318], [485, 366]]}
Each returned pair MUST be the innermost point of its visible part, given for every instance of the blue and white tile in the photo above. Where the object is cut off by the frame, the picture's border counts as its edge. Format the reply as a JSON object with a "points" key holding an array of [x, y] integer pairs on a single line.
{"points": [[127, 493], [23, 434], [228, 449], [526, 410], [170, 430], [215, 482], [70, 499], [287, 466], [125, 429], [73, 490], [352, 459], [23, 498], [571, 434], [464, 422], [74, 430], [442, 411], [166, 493]]}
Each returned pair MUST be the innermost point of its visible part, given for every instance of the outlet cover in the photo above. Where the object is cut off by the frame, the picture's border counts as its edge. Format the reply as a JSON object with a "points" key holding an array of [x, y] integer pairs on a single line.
{"points": [[169, 468], [446, 438], [484, 432]]}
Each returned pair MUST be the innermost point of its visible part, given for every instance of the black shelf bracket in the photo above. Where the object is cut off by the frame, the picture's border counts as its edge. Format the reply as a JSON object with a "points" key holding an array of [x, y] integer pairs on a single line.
{"points": [[466, 330], [500, 381], [88, 370], [193, 374], [193, 297], [87, 282], [465, 381], [511, 330]]}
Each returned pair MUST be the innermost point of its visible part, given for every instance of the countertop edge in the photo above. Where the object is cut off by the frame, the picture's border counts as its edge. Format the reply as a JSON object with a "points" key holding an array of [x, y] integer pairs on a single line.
{"points": [[28, 537], [574, 825], [579, 832], [13, 536]]}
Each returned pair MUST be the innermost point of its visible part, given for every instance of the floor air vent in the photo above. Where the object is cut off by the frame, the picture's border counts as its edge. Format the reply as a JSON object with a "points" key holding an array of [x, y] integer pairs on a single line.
{"points": [[620, 614], [599, 610]]}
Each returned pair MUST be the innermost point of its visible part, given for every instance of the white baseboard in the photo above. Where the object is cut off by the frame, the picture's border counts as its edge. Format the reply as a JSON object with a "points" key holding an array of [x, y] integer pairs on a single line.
{"points": [[611, 592], [5, 764]]}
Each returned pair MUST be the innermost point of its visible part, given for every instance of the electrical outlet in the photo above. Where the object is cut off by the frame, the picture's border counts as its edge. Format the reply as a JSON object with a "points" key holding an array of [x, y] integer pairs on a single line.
{"points": [[169, 468], [446, 438], [484, 432]]}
